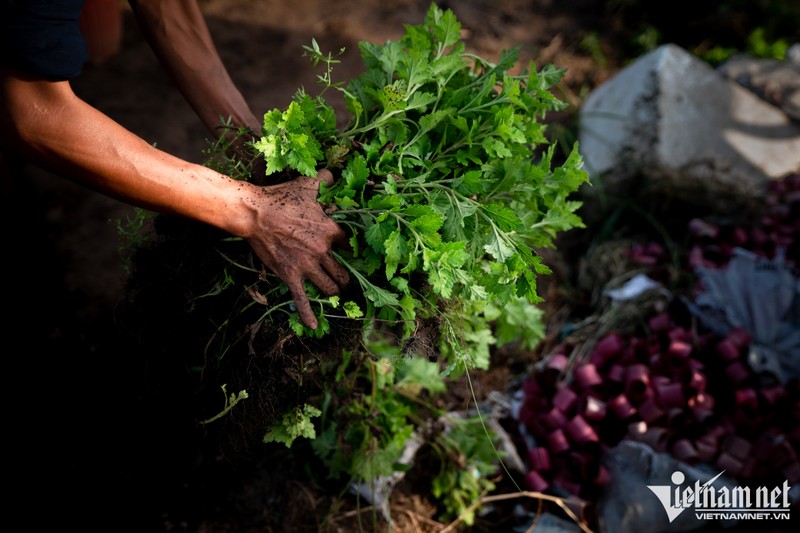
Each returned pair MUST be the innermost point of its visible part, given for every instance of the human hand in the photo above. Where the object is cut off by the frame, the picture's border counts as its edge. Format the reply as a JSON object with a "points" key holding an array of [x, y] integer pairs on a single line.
{"points": [[284, 224], [294, 237]]}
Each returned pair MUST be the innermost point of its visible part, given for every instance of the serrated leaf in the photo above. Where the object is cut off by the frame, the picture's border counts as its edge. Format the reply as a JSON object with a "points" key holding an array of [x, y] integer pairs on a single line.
{"points": [[424, 218], [354, 243], [296, 324], [377, 234], [498, 247], [444, 25], [477, 293], [401, 284], [414, 69], [520, 322], [412, 261], [352, 310], [294, 424], [420, 100], [390, 185], [505, 219], [419, 374], [356, 174], [442, 282], [396, 249], [470, 183], [386, 201], [431, 120], [345, 202], [495, 148], [394, 96], [444, 67], [380, 297]]}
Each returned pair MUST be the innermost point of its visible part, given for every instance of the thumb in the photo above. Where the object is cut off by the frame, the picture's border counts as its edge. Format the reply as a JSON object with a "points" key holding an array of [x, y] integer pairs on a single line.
{"points": [[309, 186], [326, 176]]}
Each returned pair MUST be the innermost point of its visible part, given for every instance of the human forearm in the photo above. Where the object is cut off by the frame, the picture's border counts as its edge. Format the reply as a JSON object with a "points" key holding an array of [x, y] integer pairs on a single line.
{"points": [[46, 123], [178, 34]]}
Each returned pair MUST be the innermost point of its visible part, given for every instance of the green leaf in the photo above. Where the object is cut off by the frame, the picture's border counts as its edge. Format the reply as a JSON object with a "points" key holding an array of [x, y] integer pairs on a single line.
{"points": [[377, 234], [380, 459], [386, 202], [345, 202], [289, 141], [424, 218], [470, 183], [294, 424], [297, 324], [503, 217], [301, 330], [396, 249], [444, 25], [352, 310], [417, 374], [394, 96], [380, 297], [356, 174], [498, 247], [495, 148], [517, 321]]}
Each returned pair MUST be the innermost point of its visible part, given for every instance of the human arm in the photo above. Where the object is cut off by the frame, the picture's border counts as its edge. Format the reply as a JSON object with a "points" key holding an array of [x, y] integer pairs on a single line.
{"points": [[178, 34], [45, 122]]}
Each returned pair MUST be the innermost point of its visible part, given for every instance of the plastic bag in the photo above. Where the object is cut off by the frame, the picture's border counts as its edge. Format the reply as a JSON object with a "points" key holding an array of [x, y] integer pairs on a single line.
{"points": [[759, 295]]}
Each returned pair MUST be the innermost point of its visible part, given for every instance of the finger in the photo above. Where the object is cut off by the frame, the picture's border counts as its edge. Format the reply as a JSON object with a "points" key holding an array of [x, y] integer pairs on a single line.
{"points": [[303, 305], [309, 186], [340, 238], [335, 270], [326, 176], [324, 282]]}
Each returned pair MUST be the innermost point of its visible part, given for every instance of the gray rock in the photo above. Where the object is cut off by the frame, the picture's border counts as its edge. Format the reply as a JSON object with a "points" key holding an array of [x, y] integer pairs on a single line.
{"points": [[778, 82], [793, 55], [674, 122]]}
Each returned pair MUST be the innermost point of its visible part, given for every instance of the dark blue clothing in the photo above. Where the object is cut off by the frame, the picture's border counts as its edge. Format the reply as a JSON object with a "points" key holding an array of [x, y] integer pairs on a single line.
{"points": [[42, 37]]}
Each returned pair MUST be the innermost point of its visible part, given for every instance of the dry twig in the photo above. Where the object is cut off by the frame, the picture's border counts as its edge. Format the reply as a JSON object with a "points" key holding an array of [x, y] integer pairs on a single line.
{"points": [[523, 494]]}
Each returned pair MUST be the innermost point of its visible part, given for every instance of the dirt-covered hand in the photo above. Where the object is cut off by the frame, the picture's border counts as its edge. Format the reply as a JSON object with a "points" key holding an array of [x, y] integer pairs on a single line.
{"points": [[294, 238]]}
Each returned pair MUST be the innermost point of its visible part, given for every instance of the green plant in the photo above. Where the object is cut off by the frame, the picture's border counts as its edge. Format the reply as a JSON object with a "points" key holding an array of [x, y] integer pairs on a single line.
{"points": [[296, 423], [647, 39], [468, 460], [714, 31], [757, 45], [132, 233], [224, 154], [438, 187], [364, 436], [446, 187], [591, 43]]}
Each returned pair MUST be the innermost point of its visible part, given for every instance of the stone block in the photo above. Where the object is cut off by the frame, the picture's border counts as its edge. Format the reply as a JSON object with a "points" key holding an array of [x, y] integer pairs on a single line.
{"points": [[679, 126]]}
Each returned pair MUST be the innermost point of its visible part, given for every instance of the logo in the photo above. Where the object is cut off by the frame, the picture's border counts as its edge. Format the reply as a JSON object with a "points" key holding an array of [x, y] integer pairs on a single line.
{"points": [[722, 503]]}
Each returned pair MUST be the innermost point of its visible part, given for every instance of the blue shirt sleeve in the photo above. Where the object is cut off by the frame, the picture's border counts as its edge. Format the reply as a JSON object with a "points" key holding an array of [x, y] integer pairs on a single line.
{"points": [[42, 37]]}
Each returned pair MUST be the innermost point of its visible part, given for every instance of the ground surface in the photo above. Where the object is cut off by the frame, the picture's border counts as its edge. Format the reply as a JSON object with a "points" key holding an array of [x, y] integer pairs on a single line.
{"points": [[106, 465]]}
